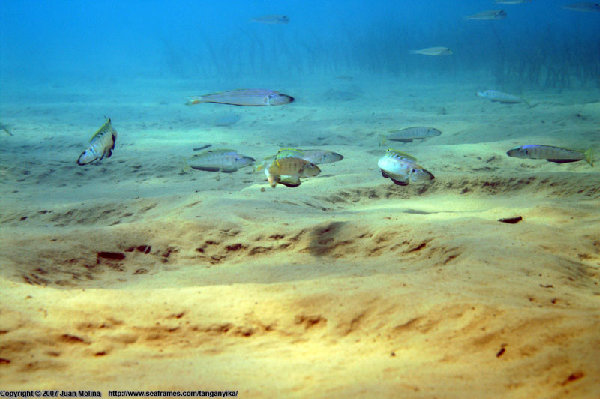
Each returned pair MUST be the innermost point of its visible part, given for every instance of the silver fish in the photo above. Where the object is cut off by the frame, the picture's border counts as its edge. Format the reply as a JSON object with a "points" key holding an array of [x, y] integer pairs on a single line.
{"points": [[550, 154], [409, 134], [402, 169], [583, 7], [220, 160], [321, 156], [249, 97], [512, 1], [488, 14], [498, 96], [433, 51], [102, 144], [272, 19]]}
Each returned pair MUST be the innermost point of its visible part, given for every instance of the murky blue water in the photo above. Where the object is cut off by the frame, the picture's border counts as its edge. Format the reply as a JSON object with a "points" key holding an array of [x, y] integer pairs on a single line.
{"points": [[539, 43]]}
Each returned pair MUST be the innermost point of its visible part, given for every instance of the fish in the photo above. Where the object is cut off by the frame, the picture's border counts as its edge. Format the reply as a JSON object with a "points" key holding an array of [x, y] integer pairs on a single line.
{"points": [[293, 168], [433, 51], [247, 97], [500, 97], [512, 1], [220, 160], [402, 168], [551, 153], [272, 19], [205, 146], [101, 145], [585, 6], [321, 156], [314, 156], [409, 134], [5, 129], [488, 14]]}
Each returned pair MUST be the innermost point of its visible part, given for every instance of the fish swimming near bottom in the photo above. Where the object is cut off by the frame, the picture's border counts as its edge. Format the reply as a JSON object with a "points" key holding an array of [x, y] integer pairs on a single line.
{"points": [[247, 97], [293, 168], [220, 160], [488, 14], [551, 154], [403, 169], [433, 51], [272, 19], [102, 144], [500, 97], [315, 156], [584, 6], [409, 134]]}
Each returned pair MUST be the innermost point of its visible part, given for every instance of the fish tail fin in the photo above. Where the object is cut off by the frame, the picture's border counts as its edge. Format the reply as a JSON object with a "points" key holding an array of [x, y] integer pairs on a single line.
{"points": [[194, 100], [589, 156], [526, 102]]}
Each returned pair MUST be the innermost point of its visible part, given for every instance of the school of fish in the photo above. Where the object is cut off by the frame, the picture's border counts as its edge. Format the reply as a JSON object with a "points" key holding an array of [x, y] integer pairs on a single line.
{"points": [[289, 165]]}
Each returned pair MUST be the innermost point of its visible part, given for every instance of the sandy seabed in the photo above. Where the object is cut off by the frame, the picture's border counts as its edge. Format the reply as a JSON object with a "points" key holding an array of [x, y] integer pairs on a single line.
{"points": [[138, 273]]}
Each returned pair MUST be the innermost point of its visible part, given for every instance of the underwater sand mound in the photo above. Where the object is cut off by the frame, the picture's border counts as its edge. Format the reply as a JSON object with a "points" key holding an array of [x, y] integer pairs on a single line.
{"points": [[564, 185]]}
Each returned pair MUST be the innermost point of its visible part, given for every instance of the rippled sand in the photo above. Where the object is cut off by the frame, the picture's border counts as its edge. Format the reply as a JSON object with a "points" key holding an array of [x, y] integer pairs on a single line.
{"points": [[141, 274]]}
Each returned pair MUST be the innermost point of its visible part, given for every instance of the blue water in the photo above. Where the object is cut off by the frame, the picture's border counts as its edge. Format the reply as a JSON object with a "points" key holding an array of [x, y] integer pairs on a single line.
{"points": [[109, 40]]}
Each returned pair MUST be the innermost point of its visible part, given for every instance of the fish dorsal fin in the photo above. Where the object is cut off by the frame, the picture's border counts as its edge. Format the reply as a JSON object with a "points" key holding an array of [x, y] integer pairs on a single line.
{"points": [[105, 126], [289, 152], [396, 153]]}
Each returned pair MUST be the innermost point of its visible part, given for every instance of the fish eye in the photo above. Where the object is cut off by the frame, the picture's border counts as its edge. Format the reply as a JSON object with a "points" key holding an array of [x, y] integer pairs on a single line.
{"points": [[413, 170], [526, 152]]}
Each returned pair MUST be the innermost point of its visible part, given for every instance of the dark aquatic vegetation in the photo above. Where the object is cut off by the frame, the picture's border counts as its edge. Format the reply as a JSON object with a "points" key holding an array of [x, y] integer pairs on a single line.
{"points": [[409, 134], [551, 154], [248, 97], [488, 14], [272, 19], [220, 160], [433, 51], [102, 144], [584, 6], [402, 168]]}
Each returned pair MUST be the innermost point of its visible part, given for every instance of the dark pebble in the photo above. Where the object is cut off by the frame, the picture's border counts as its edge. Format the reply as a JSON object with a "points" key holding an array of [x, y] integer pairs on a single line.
{"points": [[512, 220], [111, 255]]}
